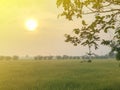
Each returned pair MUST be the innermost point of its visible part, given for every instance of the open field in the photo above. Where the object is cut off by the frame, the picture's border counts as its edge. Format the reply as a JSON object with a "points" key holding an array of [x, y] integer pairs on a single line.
{"points": [[59, 75]]}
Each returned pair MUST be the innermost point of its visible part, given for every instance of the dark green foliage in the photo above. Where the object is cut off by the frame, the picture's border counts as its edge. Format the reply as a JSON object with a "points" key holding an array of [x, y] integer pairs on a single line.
{"points": [[118, 56], [89, 61], [114, 45]]}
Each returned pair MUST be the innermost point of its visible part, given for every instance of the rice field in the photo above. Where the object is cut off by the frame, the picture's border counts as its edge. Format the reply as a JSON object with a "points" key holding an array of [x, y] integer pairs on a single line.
{"points": [[59, 75]]}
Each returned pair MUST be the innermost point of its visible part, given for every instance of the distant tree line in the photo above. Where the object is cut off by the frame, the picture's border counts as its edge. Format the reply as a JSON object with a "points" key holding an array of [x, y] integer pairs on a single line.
{"points": [[58, 57], [66, 57], [9, 57]]}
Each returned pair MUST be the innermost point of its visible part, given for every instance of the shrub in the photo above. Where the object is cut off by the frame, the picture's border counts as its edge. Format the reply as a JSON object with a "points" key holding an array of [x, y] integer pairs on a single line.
{"points": [[118, 56], [89, 61]]}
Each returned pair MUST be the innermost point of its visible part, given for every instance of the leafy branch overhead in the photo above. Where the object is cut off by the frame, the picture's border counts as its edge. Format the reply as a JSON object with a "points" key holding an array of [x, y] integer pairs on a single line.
{"points": [[106, 12], [106, 17], [79, 8], [84, 36]]}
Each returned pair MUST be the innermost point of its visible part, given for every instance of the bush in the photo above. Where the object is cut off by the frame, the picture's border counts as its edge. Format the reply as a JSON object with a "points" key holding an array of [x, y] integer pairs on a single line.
{"points": [[89, 61], [118, 56]]}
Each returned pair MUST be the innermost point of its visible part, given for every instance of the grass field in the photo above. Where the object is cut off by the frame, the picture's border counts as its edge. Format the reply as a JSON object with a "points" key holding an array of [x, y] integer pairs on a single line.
{"points": [[59, 75]]}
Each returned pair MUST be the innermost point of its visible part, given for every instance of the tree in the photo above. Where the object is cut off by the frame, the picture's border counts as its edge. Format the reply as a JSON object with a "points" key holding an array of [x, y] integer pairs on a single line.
{"points": [[15, 57], [115, 47], [8, 57], [106, 17]]}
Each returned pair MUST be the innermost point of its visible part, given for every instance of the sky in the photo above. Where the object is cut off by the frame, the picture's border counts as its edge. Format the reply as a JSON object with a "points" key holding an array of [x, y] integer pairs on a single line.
{"points": [[47, 39]]}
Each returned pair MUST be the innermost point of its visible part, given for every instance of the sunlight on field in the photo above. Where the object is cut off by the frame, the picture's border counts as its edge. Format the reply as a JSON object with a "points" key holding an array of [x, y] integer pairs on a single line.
{"points": [[59, 75]]}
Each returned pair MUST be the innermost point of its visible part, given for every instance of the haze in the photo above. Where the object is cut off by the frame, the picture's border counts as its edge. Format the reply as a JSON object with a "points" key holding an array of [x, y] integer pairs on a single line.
{"points": [[48, 39]]}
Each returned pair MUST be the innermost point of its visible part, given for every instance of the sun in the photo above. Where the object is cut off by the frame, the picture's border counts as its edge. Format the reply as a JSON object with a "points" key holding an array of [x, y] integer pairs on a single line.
{"points": [[31, 24]]}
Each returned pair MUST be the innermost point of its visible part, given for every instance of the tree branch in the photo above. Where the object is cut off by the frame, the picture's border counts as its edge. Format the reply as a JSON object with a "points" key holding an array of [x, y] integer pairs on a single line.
{"points": [[112, 10]]}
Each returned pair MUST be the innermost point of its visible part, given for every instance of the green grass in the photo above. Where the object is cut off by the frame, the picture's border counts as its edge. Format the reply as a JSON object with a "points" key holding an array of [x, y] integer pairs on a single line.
{"points": [[59, 75]]}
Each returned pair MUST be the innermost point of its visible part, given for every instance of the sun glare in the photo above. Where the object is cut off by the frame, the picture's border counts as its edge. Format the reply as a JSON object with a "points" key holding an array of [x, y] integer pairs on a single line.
{"points": [[31, 24]]}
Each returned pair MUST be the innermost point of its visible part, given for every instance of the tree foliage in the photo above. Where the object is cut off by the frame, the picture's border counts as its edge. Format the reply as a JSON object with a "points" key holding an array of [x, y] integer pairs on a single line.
{"points": [[106, 17], [115, 47]]}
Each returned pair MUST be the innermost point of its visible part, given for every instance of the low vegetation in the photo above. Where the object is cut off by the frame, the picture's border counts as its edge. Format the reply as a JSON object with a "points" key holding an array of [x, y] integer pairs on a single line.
{"points": [[59, 75]]}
